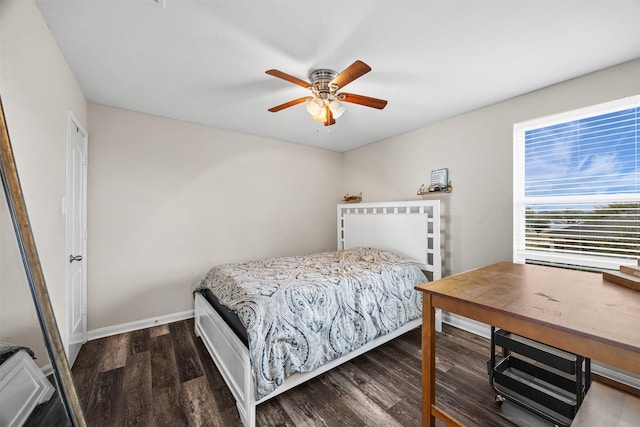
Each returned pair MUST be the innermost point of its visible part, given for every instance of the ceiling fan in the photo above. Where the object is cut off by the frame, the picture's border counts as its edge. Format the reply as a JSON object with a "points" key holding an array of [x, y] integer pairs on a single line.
{"points": [[325, 104]]}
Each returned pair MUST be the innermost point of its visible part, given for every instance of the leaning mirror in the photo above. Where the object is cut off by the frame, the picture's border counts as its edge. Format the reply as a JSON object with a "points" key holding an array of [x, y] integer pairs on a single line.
{"points": [[51, 335]]}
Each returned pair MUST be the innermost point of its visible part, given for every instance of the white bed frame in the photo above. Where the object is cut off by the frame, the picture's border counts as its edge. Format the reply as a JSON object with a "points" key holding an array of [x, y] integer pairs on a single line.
{"points": [[411, 229]]}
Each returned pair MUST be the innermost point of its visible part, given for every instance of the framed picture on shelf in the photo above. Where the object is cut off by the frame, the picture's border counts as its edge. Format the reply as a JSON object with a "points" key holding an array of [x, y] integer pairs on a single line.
{"points": [[439, 179]]}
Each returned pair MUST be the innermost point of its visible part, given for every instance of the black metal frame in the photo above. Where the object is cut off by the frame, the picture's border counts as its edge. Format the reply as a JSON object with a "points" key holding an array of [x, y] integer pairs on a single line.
{"points": [[558, 389]]}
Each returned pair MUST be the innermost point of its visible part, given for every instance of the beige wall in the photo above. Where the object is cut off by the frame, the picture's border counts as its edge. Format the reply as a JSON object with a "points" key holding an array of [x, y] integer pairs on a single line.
{"points": [[38, 89], [477, 149], [169, 199]]}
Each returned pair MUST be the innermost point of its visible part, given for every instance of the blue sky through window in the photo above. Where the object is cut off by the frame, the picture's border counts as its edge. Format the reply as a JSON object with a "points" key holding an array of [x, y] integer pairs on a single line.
{"points": [[591, 156]]}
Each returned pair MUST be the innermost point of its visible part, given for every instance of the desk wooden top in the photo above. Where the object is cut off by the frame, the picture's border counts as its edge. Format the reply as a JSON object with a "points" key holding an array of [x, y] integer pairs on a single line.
{"points": [[573, 310]]}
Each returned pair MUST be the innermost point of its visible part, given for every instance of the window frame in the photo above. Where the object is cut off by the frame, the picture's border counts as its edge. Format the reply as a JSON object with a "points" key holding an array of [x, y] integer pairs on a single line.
{"points": [[520, 253]]}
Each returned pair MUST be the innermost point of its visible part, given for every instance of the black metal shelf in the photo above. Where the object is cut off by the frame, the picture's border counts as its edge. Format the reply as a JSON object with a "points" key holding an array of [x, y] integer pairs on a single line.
{"points": [[550, 356], [543, 379]]}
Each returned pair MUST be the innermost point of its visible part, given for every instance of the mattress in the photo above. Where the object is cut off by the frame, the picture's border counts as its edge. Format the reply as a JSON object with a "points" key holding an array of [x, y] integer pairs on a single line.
{"points": [[229, 316]]}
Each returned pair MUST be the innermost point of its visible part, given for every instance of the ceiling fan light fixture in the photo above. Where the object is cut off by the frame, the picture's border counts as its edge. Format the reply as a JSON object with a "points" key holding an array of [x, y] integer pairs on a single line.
{"points": [[321, 116], [336, 108], [314, 106]]}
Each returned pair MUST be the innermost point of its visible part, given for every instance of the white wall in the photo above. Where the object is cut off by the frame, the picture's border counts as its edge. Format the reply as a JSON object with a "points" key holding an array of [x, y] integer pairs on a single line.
{"points": [[477, 149], [38, 89], [170, 199]]}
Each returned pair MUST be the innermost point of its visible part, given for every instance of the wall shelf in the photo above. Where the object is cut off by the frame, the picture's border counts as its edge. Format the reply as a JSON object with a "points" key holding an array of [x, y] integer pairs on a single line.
{"points": [[431, 193]]}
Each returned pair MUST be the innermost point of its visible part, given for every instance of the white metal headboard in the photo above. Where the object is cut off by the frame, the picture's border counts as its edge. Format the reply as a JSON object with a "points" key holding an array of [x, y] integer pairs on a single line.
{"points": [[411, 229]]}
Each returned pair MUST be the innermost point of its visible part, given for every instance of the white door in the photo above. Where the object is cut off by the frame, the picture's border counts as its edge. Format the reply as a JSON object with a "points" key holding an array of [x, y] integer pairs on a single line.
{"points": [[76, 306]]}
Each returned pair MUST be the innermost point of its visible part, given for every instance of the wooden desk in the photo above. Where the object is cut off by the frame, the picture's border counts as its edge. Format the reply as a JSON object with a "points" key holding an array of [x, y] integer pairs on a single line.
{"points": [[572, 310]]}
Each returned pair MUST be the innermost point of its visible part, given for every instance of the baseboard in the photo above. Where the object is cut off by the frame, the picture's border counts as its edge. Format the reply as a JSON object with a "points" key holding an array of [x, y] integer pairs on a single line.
{"points": [[467, 324], [622, 377], [138, 324]]}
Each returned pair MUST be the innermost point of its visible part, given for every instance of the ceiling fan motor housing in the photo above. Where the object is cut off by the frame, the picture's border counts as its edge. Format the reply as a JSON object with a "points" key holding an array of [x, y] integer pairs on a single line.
{"points": [[320, 80]]}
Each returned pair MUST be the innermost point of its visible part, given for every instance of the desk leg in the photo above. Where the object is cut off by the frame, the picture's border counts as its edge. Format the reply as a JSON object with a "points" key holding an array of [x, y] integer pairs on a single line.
{"points": [[428, 360]]}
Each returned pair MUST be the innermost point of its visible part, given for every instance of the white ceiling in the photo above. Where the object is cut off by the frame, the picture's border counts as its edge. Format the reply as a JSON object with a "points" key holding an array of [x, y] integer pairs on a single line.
{"points": [[205, 61]]}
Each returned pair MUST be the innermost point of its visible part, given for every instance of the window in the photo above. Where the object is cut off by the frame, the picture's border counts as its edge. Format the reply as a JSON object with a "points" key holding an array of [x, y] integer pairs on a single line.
{"points": [[577, 187]]}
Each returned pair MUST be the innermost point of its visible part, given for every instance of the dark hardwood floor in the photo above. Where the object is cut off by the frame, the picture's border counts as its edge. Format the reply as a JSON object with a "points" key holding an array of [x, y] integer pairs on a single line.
{"points": [[163, 376]]}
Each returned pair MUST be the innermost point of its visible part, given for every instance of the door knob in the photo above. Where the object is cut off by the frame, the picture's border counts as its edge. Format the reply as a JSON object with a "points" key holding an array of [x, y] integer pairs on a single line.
{"points": [[75, 258]]}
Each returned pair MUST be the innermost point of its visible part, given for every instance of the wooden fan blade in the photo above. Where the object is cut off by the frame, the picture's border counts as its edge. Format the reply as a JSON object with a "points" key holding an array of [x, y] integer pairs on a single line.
{"points": [[363, 100], [287, 105], [352, 72], [289, 78], [329, 120]]}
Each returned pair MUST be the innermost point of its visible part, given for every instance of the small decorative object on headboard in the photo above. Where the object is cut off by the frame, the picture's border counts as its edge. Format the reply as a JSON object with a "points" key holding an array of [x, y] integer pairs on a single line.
{"points": [[352, 199]]}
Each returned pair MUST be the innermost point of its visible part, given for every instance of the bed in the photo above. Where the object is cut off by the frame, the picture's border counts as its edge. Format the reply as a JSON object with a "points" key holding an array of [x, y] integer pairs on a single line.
{"points": [[397, 245]]}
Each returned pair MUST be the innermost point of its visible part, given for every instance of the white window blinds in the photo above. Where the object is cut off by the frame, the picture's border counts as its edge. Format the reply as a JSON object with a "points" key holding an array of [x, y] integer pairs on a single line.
{"points": [[577, 187]]}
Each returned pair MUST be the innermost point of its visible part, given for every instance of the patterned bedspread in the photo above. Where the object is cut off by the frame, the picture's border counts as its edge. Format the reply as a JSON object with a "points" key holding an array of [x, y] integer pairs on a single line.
{"points": [[301, 312]]}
